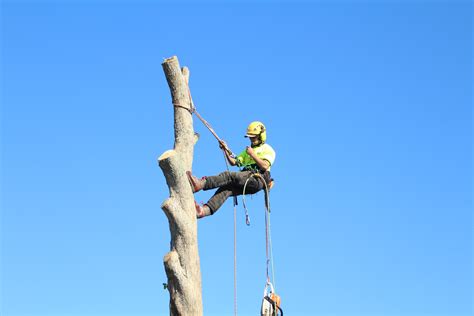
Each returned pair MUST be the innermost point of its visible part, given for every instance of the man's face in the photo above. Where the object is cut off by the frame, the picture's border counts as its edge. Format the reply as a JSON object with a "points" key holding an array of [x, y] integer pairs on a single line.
{"points": [[254, 140]]}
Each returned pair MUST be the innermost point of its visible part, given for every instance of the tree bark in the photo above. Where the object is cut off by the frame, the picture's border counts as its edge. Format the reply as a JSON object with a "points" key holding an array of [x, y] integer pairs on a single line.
{"points": [[182, 262]]}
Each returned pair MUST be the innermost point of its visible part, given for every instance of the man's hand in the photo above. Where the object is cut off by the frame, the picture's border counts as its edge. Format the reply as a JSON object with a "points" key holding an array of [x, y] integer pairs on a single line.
{"points": [[250, 152], [262, 164], [227, 151], [223, 146]]}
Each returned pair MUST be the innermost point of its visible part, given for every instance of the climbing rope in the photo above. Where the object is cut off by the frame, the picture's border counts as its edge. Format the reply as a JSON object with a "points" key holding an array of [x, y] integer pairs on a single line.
{"points": [[271, 301], [235, 243], [268, 237], [235, 256], [192, 110]]}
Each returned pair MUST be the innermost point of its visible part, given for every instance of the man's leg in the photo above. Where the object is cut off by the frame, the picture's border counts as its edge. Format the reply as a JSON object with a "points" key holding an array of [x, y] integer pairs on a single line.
{"points": [[222, 179], [216, 201], [222, 194], [233, 184], [227, 178]]}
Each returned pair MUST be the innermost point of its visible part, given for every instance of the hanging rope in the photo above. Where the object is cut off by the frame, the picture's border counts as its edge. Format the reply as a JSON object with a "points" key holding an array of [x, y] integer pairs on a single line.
{"points": [[235, 256], [235, 242], [268, 237]]}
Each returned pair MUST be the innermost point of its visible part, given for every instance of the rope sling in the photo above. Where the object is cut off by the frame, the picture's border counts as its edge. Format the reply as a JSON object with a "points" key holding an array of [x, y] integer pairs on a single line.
{"points": [[271, 301]]}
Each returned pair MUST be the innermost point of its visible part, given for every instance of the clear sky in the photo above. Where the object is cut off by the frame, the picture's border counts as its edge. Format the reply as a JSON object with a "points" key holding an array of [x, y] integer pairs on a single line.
{"points": [[368, 106]]}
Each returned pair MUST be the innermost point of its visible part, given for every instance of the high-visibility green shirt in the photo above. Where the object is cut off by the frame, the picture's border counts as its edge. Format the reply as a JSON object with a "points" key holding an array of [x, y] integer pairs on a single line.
{"points": [[264, 152]]}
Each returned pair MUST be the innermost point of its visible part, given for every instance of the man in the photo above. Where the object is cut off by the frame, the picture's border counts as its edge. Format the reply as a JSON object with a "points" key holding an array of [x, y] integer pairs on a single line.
{"points": [[258, 157]]}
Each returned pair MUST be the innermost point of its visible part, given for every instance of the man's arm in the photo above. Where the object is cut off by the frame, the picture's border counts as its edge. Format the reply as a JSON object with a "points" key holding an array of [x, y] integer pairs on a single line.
{"points": [[230, 158], [228, 153]]}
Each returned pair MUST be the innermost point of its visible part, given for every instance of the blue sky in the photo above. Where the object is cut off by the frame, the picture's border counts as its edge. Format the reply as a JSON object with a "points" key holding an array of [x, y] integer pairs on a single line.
{"points": [[368, 106]]}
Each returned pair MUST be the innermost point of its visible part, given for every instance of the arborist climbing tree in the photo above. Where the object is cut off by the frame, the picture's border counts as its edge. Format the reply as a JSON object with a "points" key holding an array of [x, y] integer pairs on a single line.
{"points": [[257, 158], [182, 262], [255, 162]]}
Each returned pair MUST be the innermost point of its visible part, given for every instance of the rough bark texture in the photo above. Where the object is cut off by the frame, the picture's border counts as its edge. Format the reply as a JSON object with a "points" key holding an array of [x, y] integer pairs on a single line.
{"points": [[182, 262]]}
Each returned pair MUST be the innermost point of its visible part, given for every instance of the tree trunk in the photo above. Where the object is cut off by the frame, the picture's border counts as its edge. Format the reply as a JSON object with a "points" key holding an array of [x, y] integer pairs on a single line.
{"points": [[182, 262]]}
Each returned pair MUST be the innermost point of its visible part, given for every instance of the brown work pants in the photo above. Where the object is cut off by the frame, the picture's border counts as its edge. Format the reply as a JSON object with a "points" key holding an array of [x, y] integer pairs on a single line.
{"points": [[231, 184]]}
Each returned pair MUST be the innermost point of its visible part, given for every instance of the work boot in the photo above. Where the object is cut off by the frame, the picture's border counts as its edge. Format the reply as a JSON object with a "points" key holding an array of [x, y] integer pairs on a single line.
{"points": [[202, 211], [196, 184]]}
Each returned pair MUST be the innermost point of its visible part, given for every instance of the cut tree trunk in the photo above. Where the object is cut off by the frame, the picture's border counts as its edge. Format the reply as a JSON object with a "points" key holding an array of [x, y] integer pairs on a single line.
{"points": [[182, 262]]}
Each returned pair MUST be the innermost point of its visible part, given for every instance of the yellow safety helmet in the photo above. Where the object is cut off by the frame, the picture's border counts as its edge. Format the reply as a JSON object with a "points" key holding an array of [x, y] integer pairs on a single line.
{"points": [[257, 129]]}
